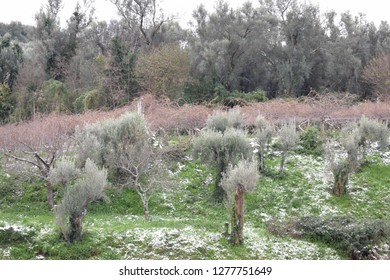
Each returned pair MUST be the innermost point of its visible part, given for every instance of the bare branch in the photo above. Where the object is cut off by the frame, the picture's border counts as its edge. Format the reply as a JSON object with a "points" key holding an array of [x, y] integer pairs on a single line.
{"points": [[23, 160]]}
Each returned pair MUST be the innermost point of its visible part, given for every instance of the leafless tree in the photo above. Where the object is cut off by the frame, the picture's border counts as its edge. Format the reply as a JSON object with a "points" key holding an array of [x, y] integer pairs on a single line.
{"points": [[144, 171]]}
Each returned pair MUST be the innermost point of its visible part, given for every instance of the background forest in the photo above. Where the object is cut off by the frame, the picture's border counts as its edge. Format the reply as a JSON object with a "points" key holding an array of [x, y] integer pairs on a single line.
{"points": [[280, 48]]}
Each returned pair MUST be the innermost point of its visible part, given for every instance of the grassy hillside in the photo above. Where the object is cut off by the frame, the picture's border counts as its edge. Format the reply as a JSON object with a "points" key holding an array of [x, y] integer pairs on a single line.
{"points": [[292, 215]]}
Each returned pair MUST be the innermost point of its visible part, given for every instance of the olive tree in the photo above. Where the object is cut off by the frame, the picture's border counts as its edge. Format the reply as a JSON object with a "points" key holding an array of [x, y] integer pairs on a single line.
{"points": [[354, 140], [89, 187], [264, 132], [143, 17], [127, 148], [221, 120], [105, 141], [221, 149], [237, 181], [142, 169], [64, 172], [288, 139], [37, 163], [345, 161], [372, 130]]}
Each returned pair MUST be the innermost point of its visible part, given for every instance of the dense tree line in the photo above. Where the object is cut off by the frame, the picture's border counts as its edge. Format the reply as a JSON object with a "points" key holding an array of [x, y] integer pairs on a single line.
{"points": [[277, 47]]}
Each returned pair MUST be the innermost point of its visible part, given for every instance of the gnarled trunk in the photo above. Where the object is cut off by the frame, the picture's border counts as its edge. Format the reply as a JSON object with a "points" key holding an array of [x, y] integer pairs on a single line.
{"points": [[341, 181], [75, 227], [237, 234], [219, 192]]}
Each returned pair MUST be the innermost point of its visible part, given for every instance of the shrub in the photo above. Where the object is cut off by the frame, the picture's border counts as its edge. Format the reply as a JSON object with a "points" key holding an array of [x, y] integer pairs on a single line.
{"points": [[236, 181], [311, 141], [255, 96], [195, 92], [344, 233], [237, 98], [88, 146]]}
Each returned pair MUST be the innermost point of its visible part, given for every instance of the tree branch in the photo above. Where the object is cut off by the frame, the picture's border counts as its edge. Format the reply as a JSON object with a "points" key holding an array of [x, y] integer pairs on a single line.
{"points": [[24, 160]]}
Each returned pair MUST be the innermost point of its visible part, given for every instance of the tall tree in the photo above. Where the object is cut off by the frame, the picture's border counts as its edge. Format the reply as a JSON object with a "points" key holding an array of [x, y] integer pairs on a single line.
{"points": [[11, 58], [144, 18], [300, 41], [60, 45], [221, 49]]}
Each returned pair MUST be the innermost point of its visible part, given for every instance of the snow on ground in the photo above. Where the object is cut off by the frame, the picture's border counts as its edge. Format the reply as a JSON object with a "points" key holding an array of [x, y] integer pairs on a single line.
{"points": [[168, 243], [279, 248]]}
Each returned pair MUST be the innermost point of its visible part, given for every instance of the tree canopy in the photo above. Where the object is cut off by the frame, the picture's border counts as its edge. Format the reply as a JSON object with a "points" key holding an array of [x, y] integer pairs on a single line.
{"points": [[279, 47]]}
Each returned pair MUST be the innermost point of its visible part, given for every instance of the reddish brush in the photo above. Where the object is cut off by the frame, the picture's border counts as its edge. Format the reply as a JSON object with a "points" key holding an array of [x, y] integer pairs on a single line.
{"points": [[165, 116]]}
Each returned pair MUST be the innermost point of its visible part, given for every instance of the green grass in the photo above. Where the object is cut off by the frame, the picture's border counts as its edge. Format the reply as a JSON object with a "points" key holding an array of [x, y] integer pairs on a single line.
{"points": [[186, 224]]}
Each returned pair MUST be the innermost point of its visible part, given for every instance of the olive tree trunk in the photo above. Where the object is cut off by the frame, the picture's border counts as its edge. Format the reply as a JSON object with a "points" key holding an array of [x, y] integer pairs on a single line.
{"points": [[237, 234], [282, 161], [75, 227], [219, 192], [50, 194], [261, 158], [341, 181], [145, 202]]}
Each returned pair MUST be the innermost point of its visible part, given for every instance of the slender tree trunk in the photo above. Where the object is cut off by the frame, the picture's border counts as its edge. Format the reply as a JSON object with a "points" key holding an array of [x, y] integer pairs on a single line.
{"points": [[261, 159], [50, 194], [145, 202], [364, 145], [237, 234], [219, 193], [283, 160], [322, 125]]}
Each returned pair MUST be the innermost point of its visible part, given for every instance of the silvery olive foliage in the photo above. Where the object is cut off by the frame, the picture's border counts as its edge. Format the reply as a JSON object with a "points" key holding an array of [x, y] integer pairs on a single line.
{"points": [[222, 120], [287, 139], [244, 174], [237, 181], [264, 133], [64, 172], [221, 149], [87, 188]]}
